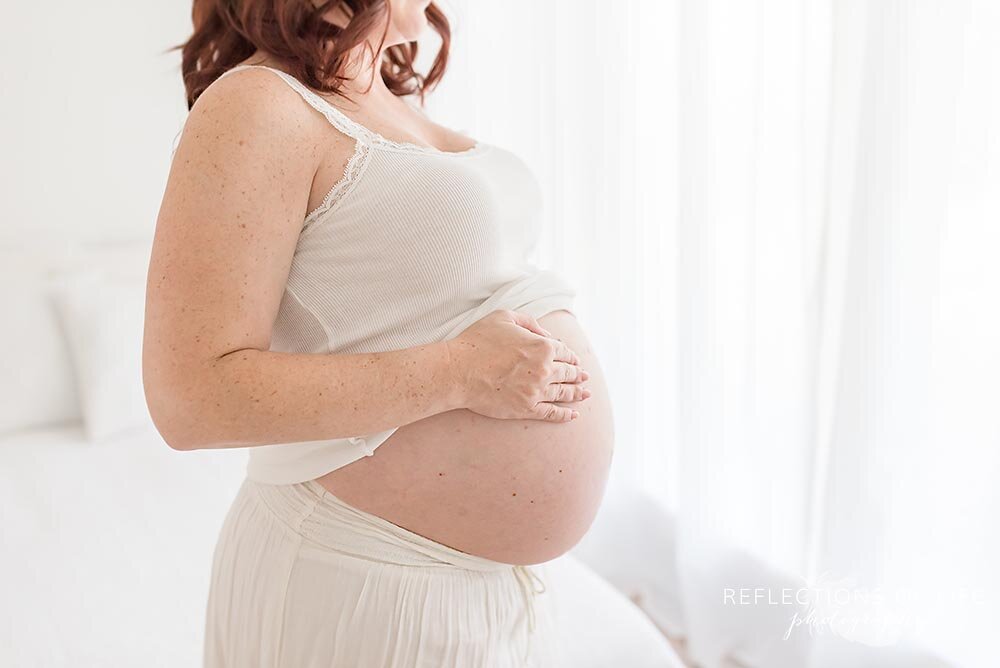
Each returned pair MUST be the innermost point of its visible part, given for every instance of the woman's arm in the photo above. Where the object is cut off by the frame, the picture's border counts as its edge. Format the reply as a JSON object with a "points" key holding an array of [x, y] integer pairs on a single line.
{"points": [[228, 226]]}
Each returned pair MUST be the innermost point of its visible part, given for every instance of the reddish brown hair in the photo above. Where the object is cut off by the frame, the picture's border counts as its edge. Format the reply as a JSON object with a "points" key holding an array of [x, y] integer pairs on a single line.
{"points": [[227, 32]]}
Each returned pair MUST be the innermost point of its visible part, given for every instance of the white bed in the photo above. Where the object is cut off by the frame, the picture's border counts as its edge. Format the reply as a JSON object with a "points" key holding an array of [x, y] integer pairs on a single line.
{"points": [[107, 548]]}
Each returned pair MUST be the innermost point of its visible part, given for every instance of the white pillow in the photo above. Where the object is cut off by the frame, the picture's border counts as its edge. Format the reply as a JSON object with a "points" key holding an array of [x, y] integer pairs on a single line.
{"points": [[36, 373], [37, 386], [102, 318]]}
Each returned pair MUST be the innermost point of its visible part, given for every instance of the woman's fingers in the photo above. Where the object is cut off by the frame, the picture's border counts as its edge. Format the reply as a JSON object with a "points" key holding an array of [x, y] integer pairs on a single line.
{"points": [[529, 323], [563, 353], [567, 373], [553, 413], [566, 392]]}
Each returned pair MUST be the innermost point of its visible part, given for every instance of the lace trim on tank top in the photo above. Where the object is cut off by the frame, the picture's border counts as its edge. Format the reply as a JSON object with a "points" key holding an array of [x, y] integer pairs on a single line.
{"points": [[360, 135], [345, 124], [352, 172], [365, 139]]}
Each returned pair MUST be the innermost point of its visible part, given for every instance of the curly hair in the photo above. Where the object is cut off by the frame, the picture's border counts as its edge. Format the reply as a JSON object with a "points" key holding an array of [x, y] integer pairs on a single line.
{"points": [[227, 32]]}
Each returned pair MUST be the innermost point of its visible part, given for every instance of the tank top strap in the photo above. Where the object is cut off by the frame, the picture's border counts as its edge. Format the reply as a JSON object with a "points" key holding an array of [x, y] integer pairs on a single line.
{"points": [[335, 116]]}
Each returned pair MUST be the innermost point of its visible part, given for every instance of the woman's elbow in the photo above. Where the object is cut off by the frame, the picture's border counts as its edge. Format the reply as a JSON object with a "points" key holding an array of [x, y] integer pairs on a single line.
{"points": [[177, 442], [176, 431], [181, 426]]}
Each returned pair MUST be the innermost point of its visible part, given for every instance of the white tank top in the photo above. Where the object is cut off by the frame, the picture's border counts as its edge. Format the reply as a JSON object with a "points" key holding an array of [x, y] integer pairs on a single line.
{"points": [[410, 247]]}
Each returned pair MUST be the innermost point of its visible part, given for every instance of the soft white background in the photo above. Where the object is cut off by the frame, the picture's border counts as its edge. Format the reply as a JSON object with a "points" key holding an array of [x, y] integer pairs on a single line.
{"points": [[782, 219]]}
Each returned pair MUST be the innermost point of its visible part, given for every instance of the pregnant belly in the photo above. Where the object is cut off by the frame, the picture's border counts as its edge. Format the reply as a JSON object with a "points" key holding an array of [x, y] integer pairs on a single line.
{"points": [[514, 491]]}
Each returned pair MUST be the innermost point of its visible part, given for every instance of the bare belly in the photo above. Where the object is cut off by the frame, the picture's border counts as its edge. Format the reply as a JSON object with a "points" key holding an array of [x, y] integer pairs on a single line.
{"points": [[514, 491]]}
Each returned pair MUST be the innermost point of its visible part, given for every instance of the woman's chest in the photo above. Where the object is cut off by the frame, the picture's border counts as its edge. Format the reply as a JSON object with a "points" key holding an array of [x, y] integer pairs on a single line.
{"points": [[455, 218]]}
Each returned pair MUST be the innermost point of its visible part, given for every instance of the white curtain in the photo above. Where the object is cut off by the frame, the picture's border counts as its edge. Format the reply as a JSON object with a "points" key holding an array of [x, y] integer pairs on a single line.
{"points": [[783, 217]]}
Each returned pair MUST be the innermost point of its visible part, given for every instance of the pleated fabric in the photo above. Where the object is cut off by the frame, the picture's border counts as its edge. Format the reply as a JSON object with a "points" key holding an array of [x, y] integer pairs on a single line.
{"points": [[302, 579]]}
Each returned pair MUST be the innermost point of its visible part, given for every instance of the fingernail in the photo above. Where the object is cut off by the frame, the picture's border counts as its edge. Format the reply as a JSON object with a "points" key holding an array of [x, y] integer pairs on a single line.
{"points": [[586, 394], [584, 375]]}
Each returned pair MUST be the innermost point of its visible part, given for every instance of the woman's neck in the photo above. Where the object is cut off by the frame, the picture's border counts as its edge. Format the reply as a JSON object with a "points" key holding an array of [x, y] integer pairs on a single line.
{"points": [[360, 84]]}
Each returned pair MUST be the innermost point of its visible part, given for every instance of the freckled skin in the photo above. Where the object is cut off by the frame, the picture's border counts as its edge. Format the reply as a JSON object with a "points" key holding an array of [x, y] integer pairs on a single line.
{"points": [[251, 162], [514, 491]]}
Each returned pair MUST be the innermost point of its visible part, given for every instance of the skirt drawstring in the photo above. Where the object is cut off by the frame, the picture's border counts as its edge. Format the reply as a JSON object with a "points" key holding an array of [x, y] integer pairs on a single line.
{"points": [[527, 579]]}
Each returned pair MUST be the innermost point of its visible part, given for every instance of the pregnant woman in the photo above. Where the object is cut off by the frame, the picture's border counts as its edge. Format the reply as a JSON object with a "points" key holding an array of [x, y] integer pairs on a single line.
{"points": [[342, 287]]}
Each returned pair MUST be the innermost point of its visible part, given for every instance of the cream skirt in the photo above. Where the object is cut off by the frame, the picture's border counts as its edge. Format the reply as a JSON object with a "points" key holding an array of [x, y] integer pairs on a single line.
{"points": [[301, 579]]}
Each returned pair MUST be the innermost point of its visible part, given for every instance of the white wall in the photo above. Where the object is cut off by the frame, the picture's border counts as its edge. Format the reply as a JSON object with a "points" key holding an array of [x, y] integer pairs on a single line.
{"points": [[91, 109]]}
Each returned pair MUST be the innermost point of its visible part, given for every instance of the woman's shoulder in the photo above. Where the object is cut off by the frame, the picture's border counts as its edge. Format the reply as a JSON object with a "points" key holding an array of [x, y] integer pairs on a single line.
{"points": [[254, 103], [255, 95]]}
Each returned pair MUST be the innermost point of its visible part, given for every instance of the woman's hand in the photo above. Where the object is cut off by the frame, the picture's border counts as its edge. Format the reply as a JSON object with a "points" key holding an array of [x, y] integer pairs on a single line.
{"points": [[508, 367]]}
